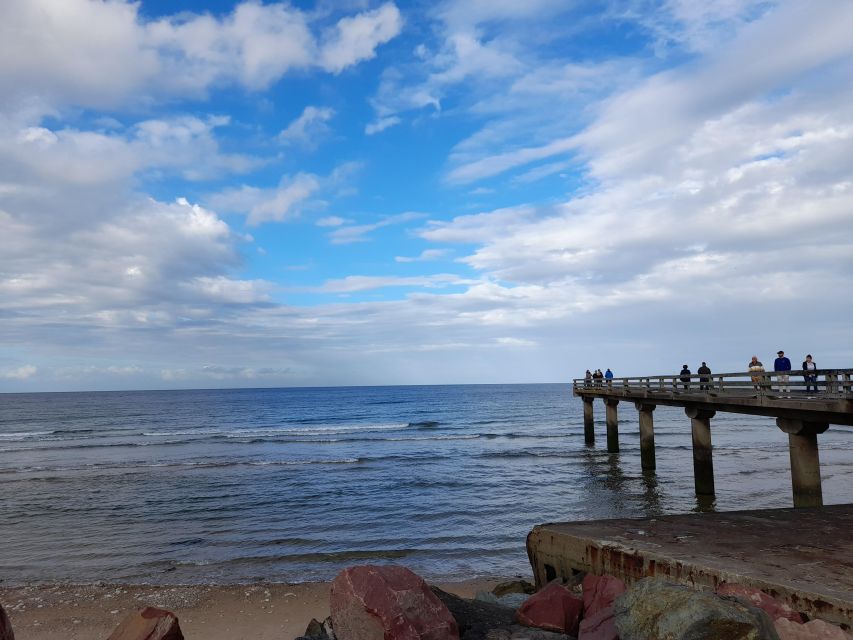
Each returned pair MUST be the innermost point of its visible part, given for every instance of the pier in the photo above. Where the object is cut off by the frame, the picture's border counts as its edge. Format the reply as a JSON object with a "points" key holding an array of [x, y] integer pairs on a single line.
{"points": [[802, 410], [803, 557]]}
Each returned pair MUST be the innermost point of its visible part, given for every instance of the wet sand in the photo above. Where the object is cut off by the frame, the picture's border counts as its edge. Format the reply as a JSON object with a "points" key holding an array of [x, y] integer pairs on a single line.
{"points": [[212, 612]]}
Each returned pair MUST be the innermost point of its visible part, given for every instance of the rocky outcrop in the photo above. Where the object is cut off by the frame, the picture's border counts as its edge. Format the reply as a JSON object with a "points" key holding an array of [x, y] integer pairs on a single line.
{"points": [[774, 608], [475, 618], [599, 592], [599, 626], [370, 602], [656, 610], [812, 630], [6, 632], [149, 623], [552, 608]]}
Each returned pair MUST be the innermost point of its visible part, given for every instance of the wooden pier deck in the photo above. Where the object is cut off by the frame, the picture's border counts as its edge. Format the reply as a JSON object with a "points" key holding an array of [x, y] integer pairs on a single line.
{"points": [[801, 556], [802, 409]]}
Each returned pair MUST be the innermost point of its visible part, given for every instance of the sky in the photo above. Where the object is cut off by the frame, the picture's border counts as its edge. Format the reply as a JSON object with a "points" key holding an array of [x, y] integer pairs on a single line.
{"points": [[263, 194]]}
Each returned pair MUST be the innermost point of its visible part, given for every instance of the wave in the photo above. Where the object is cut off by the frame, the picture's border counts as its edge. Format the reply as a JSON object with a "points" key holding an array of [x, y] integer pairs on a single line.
{"points": [[200, 464]]}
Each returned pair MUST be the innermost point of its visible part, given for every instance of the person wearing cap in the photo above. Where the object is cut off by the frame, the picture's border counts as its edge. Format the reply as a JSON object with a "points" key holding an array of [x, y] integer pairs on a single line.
{"points": [[811, 379], [782, 364]]}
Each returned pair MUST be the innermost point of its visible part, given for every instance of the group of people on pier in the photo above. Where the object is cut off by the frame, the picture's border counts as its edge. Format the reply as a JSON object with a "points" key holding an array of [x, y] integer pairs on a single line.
{"points": [[781, 369]]}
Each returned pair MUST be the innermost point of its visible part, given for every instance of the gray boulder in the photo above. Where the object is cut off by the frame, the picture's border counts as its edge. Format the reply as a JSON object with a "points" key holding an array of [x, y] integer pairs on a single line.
{"points": [[657, 610]]}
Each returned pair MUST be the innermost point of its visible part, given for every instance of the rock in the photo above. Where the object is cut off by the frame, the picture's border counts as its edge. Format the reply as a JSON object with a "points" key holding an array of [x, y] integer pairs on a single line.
{"points": [[511, 600], [475, 618], [811, 630], [6, 632], [370, 602], [656, 610], [774, 608], [149, 623], [599, 592], [317, 630], [552, 608], [599, 626], [517, 632], [514, 586]]}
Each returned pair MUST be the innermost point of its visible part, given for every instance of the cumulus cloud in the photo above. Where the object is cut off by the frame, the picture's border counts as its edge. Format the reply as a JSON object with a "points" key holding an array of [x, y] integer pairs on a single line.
{"points": [[268, 205], [185, 54], [308, 127]]}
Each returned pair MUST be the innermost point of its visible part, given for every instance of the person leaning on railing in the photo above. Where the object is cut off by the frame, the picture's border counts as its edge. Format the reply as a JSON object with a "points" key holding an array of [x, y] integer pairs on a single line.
{"points": [[755, 367], [811, 379]]}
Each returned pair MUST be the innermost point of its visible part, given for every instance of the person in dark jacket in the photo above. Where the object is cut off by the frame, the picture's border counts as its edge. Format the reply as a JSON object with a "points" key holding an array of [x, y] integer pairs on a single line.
{"points": [[811, 379], [704, 377], [685, 376], [783, 366]]}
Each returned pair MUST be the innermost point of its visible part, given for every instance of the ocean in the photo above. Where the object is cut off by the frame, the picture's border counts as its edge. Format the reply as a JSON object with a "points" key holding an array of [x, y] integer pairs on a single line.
{"points": [[291, 485]]}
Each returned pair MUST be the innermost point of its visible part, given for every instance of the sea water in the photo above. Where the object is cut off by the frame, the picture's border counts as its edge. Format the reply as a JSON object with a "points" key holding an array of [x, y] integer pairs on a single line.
{"points": [[229, 486]]}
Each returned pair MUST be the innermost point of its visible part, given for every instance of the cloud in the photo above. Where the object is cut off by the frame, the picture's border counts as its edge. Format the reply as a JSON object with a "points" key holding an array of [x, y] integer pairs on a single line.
{"points": [[308, 127], [21, 373], [381, 124], [331, 221], [352, 284], [120, 56], [425, 256], [268, 205], [358, 232], [355, 39]]}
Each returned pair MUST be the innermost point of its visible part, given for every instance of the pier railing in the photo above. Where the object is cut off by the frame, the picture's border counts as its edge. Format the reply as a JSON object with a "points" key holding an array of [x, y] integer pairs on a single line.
{"points": [[822, 384], [804, 404]]}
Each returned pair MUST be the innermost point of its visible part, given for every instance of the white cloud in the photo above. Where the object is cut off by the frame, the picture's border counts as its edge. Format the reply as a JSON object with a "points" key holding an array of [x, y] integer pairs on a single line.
{"points": [[380, 124], [120, 56], [21, 373], [355, 39], [358, 232], [425, 256], [308, 127], [268, 205], [331, 221], [351, 284]]}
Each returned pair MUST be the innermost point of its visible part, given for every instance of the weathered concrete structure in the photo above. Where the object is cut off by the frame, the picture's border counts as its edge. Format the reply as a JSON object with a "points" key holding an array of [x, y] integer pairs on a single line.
{"points": [[802, 415], [803, 557]]}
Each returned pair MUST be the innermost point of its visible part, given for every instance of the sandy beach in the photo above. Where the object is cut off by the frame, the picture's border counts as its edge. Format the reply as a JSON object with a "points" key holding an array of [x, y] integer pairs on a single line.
{"points": [[212, 612]]}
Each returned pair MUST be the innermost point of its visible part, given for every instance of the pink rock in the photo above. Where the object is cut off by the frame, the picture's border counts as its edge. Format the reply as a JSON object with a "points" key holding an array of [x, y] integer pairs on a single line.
{"points": [[599, 626], [774, 608], [149, 623], [371, 602], [552, 608], [599, 592], [811, 630], [5, 627]]}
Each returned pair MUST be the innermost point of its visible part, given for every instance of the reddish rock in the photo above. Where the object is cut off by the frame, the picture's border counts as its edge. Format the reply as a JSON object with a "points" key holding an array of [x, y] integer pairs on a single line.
{"points": [[552, 608], [371, 602], [5, 626], [773, 607], [811, 630], [599, 626], [599, 592], [149, 623]]}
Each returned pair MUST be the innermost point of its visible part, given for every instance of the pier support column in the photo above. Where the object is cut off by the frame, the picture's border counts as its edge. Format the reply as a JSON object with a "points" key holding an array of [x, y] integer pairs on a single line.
{"points": [[588, 422], [703, 463], [805, 461], [647, 435], [612, 419]]}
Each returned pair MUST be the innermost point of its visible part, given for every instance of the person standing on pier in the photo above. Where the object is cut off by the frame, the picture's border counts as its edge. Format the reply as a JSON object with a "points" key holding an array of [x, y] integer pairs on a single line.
{"points": [[756, 368], [704, 377], [587, 379], [811, 379], [685, 377], [608, 375], [783, 365]]}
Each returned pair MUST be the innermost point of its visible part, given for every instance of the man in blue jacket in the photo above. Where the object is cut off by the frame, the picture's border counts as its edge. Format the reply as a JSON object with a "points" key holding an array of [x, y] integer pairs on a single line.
{"points": [[784, 365]]}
